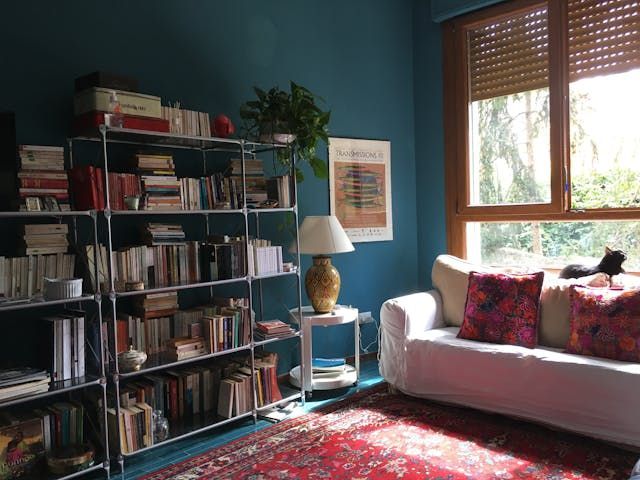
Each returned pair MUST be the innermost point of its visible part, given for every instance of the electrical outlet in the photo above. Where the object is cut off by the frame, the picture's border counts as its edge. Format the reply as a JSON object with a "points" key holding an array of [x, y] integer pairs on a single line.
{"points": [[364, 317]]}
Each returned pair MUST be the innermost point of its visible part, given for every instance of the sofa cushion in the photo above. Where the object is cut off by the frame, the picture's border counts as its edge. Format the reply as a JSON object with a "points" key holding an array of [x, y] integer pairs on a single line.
{"points": [[502, 308], [450, 276], [554, 307], [605, 323]]}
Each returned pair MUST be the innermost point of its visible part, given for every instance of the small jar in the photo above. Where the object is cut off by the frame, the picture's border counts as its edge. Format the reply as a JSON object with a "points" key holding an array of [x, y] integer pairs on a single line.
{"points": [[160, 427]]}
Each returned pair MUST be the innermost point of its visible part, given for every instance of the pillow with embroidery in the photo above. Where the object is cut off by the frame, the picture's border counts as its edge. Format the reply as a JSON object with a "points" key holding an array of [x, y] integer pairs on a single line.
{"points": [[503, 308], [605, 323]]}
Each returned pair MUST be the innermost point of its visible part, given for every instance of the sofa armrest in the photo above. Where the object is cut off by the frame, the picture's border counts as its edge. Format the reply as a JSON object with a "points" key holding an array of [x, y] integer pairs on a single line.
{"points": [[412, 314]]}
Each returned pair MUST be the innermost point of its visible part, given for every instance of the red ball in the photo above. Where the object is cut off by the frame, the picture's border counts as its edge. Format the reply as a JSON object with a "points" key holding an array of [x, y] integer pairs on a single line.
{"points": [[222, 126]]}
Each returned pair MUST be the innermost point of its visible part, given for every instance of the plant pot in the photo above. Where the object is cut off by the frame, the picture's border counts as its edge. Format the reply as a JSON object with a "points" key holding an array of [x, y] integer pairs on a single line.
{"points": [[279, 138]]}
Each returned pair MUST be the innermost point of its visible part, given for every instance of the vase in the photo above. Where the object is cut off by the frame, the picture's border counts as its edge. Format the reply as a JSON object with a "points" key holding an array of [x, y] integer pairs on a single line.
{"points": [[322, 283]]}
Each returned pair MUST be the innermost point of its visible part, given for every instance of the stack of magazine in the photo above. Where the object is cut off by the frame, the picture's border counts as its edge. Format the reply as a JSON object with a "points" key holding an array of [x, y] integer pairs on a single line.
{"points": [[20, 382], [328, 367]]}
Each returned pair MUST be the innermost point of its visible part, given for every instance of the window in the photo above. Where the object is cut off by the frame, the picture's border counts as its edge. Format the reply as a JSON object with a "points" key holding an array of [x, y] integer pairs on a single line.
{"points": [[542, 131]]}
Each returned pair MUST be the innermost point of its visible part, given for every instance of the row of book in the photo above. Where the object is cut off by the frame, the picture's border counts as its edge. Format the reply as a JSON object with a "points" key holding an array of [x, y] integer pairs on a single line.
{"points": [[211, 328], [23, 277], [263, 258], [187, 122], [27, 436], [64, 345], [169, 264], [223, 388], [158, 187]]}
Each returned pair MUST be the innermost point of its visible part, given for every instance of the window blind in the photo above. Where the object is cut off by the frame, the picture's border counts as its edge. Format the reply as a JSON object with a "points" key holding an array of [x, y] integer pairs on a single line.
{"points": [[604, 37], [511, 55]]}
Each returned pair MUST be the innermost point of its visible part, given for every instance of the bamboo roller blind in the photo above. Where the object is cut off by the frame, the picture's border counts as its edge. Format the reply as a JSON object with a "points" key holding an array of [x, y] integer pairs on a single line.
{"points": [[512, 55]]}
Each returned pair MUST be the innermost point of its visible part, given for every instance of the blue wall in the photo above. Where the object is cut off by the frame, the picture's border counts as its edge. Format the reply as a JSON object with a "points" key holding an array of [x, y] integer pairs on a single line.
{"points": [[357, 55], [430, 224]]}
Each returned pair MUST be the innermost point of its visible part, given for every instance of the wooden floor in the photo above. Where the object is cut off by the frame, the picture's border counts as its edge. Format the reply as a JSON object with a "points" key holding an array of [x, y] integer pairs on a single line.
{"points": [[174, 453]]}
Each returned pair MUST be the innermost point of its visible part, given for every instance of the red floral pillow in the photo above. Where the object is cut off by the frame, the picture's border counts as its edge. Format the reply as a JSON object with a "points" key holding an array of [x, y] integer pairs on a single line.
{"points": [[502, 308], [605, 323]]}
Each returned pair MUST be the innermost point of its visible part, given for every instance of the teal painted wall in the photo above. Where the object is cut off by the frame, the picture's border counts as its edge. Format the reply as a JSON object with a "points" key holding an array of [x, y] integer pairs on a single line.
{"points": [[430, 224], [357, 55]]}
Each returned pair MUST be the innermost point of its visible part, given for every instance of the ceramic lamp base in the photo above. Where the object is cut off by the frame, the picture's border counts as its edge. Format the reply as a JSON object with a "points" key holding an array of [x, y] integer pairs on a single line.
{"points": [[322, 283]]}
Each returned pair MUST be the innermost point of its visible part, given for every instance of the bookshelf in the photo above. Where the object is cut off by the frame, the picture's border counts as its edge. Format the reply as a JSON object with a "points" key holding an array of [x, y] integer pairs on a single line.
{"points": [[254, 285], [72, 389]]}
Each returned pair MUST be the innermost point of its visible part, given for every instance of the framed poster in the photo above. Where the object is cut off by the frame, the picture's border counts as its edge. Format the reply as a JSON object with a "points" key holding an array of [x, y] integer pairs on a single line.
{"points": [[360, 187]]}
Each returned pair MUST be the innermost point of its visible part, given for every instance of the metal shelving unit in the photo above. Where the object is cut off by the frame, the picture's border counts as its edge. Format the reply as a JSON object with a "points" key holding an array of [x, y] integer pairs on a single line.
{"points": [[245, 149], [64, 387]]}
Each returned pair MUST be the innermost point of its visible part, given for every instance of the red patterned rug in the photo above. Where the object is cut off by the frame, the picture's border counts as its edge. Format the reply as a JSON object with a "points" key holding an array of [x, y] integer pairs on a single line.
{"points": [[374, 435]]}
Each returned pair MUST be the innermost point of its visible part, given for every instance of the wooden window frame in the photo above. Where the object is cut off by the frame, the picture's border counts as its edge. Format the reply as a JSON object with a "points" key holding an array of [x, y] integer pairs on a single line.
{"points": [[459, 210]]}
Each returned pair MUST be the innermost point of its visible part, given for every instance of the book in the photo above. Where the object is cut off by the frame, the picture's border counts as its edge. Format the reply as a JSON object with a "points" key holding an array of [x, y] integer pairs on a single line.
{"points": [[24, 447], [91, 120]]}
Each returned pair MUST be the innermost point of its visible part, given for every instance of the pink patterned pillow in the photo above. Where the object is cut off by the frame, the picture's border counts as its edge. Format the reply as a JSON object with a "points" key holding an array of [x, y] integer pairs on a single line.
{"points": [[605, 323], [502, 308]]}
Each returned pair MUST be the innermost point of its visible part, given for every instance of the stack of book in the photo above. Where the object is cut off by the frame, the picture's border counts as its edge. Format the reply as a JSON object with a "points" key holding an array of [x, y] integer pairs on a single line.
{"points": [[187, 122], [20, 382], [328, 367], [267, 329], [99, 94], [279, 190], [160, 186], [186, 322], [23, 277], [163, 234], [256, 183], [63, 346], [154, 305], [148, 335], [182, 348], [43, 182], [45, 238], [264, 258]]}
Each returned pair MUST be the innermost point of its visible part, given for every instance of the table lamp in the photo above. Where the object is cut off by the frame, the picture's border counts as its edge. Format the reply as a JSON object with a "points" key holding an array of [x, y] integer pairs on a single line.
{"points": [[322, 236]]}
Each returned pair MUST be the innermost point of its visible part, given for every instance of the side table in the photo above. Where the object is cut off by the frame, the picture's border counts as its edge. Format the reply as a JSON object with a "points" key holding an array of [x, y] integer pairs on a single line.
{"points": [[339, 316]]}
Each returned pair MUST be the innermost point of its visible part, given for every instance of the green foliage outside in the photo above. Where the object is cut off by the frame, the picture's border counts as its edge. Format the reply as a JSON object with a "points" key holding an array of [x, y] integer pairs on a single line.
{"points": [[549, 243]]}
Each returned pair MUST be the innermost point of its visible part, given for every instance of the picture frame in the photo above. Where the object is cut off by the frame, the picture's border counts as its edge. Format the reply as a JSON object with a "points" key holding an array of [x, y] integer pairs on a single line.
{"points": [[360, 187], [51, 204], [33, 204]]}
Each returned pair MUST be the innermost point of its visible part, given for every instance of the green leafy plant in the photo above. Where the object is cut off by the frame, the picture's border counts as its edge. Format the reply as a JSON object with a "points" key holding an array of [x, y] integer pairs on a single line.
{"points": [[296, 113]]}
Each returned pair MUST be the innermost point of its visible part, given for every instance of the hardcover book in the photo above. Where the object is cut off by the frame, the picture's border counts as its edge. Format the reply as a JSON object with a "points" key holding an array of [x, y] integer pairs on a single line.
{"points": [[21, 448]]}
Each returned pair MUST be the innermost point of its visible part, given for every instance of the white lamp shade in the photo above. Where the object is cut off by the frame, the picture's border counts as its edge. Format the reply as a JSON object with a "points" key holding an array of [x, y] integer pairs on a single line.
{"points": [[322, 235]]}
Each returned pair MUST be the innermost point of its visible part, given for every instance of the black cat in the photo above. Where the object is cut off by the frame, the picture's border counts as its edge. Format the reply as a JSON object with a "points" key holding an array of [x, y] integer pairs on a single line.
{"points": [[611, 264]]}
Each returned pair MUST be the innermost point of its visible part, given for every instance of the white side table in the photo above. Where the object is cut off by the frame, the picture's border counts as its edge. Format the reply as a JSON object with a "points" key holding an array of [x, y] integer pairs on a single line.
{"points": [[340, 315]]}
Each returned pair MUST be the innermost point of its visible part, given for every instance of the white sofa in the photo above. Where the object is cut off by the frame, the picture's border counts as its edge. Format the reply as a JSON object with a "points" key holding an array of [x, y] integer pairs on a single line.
{"points": [[421, 356]]}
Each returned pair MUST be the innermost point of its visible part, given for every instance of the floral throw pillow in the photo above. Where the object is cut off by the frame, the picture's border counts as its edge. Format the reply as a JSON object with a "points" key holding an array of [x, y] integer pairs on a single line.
{"points": [[605, 323], [503, 308]]}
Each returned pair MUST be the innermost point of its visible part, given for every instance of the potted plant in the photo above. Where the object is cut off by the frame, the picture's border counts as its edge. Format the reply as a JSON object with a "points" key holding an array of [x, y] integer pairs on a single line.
{"points": [[292, 117]]}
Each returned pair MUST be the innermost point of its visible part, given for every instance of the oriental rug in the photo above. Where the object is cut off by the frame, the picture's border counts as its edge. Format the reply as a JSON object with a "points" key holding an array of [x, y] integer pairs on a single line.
{"points": [[375, 435]]}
